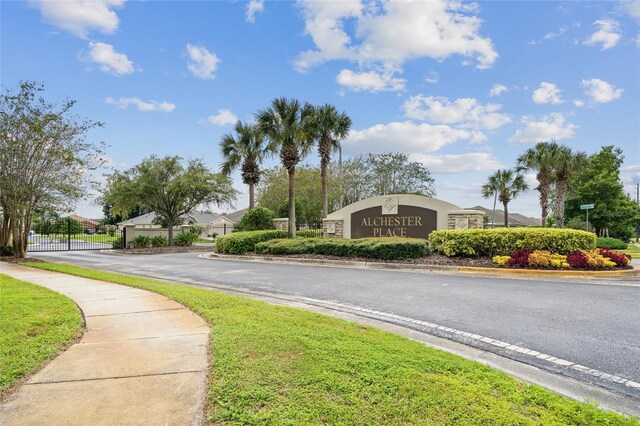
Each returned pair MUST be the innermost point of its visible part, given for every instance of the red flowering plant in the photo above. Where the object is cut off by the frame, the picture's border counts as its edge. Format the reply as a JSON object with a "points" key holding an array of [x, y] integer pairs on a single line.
{"points": [[620, 259], [520, 257]]}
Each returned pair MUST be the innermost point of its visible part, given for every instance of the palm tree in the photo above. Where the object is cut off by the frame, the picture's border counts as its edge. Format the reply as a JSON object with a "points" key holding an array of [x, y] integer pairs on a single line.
{"points": [[565, 165], [286, 124], [329, 127], [506, 184], [541, 159], [247, 150]]}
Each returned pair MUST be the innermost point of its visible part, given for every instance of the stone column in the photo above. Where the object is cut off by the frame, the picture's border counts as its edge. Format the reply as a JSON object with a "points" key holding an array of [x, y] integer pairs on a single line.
{"points": [[465, 219], [130, 234], [281, 224], [332, 228]]}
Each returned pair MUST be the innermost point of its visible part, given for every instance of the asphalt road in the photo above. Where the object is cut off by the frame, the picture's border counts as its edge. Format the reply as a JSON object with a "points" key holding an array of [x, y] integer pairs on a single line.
{"points": [[593, 324]]}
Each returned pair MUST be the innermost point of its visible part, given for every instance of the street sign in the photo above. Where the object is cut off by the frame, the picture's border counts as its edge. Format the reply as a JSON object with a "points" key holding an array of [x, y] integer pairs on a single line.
{"points": [[586, 206]]}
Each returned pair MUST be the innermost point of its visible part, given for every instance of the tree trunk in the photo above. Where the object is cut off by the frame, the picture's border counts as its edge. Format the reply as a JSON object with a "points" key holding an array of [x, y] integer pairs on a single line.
{"points": [[506, 214], [5, 232], [493, 214], [251, 194], [292, 202], [325, 193], [544, 201], [170, 232], [561, 193], [340, 173]]}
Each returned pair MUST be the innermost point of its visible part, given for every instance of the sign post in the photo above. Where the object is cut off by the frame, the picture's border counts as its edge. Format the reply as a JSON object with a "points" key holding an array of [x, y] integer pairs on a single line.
{"points": [[587, 207]]}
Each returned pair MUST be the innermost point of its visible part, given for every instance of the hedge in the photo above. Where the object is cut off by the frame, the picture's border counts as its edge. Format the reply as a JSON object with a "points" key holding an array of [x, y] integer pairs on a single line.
{"points": [[491, 242], [371, 248], [245, 242], [612, 243]]}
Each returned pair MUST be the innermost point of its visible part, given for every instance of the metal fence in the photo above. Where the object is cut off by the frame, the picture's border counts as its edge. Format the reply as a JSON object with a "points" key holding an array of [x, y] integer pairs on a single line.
{"points": [[310, 229], [67, 234]]}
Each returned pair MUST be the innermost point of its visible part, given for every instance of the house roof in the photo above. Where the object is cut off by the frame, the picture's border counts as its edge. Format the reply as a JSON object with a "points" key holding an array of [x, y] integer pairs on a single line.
{"points": [[201, 218], [145, 219], [515, 219], [204, 217], [236, 216]]}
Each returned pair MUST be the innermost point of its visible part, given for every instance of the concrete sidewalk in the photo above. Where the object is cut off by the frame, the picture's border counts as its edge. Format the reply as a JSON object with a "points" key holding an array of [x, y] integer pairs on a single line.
{"points": [[142, 360]]}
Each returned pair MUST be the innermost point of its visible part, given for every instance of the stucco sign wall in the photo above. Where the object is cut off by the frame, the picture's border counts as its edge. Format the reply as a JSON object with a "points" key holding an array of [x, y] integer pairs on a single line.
{"points": [[397, 215]]}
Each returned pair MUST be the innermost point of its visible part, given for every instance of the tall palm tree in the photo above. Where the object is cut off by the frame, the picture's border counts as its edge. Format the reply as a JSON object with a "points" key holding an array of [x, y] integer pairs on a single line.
{"points": [[541, 158], [507, 184], [329, 127], [566, 163], [247, 149], [287, 125]]}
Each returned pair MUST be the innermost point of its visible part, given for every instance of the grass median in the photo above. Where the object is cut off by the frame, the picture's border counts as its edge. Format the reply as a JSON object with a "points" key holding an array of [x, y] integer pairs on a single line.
{"points": [[35, 325], [279, 365]]}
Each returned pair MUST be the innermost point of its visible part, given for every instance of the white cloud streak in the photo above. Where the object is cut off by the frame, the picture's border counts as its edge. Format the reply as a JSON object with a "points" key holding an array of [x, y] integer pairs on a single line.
{"points": [[552, 126], [80, 17], [202, 63], [607, 36], [600, 91], [253, 8], [109, 61], [224, 117], [370, 81], [459, 163], [144, 106], [497, 90], [547, 93]]}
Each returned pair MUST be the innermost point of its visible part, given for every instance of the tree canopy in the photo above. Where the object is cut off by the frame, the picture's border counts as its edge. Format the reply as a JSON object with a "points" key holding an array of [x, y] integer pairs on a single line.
{"points": [[168, 187], [45, 160]]}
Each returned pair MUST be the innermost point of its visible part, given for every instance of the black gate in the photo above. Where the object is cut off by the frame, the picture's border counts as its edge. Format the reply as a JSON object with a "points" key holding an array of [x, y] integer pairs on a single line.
{"points": [[70, 233]]}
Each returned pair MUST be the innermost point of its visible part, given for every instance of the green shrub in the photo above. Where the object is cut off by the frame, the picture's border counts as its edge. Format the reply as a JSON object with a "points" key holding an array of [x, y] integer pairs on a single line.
{"points": [[310, 233], [612, 243], [371, 248], [159, 241], [185, 239], [6, 250], [196, 229], [117, 243], [141, 241], [245, 242], [491, 242], [257, 219]]}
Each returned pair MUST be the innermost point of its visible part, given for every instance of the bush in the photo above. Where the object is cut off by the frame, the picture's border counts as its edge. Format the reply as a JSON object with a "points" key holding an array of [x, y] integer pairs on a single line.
{"points": [[196, 229], [612, 243], [257, 219], [491, 242], [371, 248], [245, 241], [544, 259], [185, 239], [620, 259], [141, 241], [117, 243], [159, 241], [589, 259], [6, 250], [520, 257], [501, 260]]}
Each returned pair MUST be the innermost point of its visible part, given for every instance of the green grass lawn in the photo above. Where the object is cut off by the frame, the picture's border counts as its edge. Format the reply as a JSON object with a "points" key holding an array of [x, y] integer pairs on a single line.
{"points": [[94, 238], [276, 365], [633, 251], [35, 325]]}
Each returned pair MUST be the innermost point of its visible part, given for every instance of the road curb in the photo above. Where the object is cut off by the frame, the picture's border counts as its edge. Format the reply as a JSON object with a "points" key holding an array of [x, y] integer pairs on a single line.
{"points": [[412, 267]]}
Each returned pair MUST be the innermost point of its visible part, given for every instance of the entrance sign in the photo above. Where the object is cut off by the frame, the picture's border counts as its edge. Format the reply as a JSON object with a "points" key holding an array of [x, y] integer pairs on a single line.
{"points": [[407, 221], [586, 206]]}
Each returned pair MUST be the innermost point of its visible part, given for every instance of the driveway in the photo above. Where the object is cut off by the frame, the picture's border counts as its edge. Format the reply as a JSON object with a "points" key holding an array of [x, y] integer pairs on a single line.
{"points": [[592, 323]]}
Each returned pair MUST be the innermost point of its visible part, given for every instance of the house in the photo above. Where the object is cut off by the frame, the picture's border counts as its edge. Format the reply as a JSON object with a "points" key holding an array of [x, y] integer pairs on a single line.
{"points": [[225, 223], [213, 223], [515, 219], [94, 225]]}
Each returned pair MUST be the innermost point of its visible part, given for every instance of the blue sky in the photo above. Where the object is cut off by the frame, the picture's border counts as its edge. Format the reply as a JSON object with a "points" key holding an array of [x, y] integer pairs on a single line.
{"points": [[462, 87]]}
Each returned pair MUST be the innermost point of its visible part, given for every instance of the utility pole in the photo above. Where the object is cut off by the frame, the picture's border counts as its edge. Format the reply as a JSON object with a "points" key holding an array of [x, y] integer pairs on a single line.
{"points": [[341, 176]]}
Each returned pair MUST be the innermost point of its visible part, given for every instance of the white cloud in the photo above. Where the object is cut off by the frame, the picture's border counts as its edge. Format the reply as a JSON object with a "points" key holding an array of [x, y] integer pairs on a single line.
{"points": [[370, 81], [547, 93], [79, 17], [254, 7], [390, 33], [142, 105], [466, 112], [432, 78], [108, 59], [551, 35], [608, 34], [224, 117], [552, 126], [404, 136], [202, 63], [497, 90], [630, 7], [578, 102], [459, 163], [600, 91]]}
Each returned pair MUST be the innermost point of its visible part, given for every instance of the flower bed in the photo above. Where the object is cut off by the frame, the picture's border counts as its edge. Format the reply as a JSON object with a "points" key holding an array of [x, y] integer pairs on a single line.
{"points": [[578, 259]]}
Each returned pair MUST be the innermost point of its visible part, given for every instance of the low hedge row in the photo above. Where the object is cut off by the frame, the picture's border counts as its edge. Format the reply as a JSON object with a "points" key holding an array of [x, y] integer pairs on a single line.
{"points": [[491, 242], [245, 242], [612, 243], [371, 248]]}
